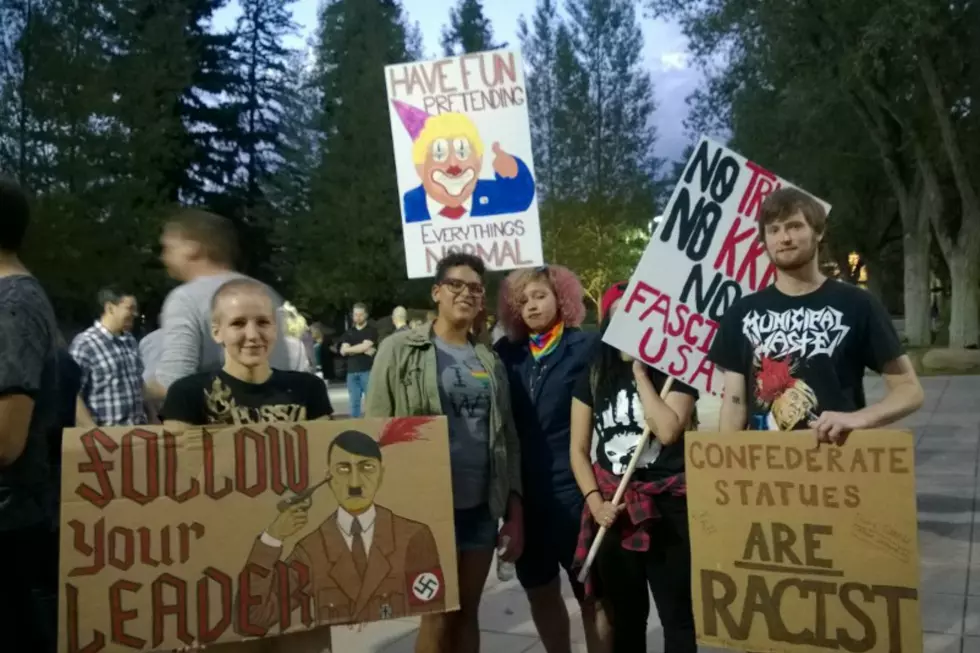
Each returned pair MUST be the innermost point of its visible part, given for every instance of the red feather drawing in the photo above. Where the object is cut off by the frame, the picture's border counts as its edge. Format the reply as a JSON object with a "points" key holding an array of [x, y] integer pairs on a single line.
{"points": [[402, 429]]}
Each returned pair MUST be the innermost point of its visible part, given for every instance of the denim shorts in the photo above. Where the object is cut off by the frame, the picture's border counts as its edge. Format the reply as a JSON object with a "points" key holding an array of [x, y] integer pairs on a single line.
{"points": [[476, 529]]}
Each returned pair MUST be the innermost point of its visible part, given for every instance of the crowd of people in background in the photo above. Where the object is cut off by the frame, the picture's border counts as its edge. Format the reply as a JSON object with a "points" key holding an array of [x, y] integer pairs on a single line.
{"points": [[542, 415]]}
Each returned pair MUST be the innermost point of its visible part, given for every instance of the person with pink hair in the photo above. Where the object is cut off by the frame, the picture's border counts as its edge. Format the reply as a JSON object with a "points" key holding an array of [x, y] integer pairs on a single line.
{"points": [[541, 310]]}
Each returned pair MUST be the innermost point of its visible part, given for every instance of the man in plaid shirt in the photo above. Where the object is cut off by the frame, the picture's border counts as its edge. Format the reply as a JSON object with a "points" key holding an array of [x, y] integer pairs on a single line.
{"points": [[112, 370]]}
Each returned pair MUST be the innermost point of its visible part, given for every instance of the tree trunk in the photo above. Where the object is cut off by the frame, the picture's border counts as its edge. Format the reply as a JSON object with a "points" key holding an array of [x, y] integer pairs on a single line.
{"points": [[916, 290], [916, 248], [964, 320]]}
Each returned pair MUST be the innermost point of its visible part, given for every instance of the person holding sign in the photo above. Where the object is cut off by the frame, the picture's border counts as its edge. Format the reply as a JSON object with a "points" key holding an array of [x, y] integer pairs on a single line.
{"points": [[794, 354], [541, 310], [442, 370], [247, 390], [615, 400]]}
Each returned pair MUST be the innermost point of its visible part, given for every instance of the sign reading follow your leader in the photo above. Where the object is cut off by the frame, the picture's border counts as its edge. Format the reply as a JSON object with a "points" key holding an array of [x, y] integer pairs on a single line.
{"points": [[251, 531], [704, 255], [463, 158], [799, 548]]}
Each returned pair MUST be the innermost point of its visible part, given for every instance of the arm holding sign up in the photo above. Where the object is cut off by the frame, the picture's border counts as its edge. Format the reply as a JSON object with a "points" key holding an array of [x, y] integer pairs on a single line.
{"points": [[662, 415]]}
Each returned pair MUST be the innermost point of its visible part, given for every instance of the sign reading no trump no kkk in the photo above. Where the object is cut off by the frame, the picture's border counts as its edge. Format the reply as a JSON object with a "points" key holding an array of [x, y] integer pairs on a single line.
{"points": [[176, 541], [802, 548]]}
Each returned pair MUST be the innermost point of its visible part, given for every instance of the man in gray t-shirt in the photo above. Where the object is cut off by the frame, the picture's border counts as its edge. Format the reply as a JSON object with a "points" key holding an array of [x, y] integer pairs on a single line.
{"points": [[200, 250], [464, 391]]}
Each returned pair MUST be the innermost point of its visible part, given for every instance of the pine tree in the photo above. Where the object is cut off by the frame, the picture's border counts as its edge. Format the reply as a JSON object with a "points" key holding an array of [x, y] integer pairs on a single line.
{"points": [[351, 249], [538, 41], [469, 30], [621, 169]]}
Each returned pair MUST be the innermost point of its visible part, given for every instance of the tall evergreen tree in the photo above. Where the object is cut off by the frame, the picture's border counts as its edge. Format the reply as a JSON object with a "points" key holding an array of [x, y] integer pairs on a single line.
{"points": [[351, 248], [538, 41], [261, 60], [469, 30], [621, 169]]}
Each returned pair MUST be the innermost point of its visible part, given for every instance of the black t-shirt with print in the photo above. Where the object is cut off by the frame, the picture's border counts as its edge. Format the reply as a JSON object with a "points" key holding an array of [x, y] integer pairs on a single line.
{"points": [[618, 423], [219, 398], [354, 337], [803, 355]]}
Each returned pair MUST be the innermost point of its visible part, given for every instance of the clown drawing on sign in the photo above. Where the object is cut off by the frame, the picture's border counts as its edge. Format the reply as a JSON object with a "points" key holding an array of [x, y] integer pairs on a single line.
{"points": [[364, 562], [790, 400], [448, 152]]}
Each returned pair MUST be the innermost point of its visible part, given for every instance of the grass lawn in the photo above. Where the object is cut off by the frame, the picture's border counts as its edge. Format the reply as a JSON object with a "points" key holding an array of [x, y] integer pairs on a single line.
{"points": [[916, 354]]}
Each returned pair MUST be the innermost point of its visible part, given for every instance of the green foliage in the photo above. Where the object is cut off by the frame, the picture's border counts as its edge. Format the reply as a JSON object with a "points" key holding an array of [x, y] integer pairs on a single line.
{"points": [[468, 30]]}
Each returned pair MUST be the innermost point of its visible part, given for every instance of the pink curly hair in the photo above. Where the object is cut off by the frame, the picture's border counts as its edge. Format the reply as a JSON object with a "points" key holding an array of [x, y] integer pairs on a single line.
{"points": [[564, 283]]}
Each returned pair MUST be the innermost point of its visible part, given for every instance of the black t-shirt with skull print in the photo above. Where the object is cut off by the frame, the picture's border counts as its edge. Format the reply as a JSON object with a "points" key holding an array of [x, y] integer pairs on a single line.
{"points": [[806, 354], [617, 423]]}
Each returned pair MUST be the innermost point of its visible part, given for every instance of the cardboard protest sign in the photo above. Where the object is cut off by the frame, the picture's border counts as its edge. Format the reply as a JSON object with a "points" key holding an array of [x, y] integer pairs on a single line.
{"points": [[800, 548], [218, 535], [463, 157], [704, 255]]}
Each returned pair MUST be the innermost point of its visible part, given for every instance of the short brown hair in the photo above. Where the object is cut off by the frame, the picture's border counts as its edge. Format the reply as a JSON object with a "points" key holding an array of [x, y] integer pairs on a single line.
{"points": [[786, 202], [241, 285], [215, 234]]}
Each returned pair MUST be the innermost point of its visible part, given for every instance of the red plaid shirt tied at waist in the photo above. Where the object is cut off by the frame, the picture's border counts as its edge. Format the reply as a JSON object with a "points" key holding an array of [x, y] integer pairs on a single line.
{"points": [[640, 508]]}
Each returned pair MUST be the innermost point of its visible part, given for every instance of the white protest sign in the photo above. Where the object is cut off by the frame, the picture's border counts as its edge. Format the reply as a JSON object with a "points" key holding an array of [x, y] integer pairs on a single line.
{"points": [[704, 255], [462, 145]]}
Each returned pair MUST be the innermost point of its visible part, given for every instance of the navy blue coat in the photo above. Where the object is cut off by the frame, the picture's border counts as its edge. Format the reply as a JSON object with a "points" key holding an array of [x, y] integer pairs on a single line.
{"points": [[542, 405]]}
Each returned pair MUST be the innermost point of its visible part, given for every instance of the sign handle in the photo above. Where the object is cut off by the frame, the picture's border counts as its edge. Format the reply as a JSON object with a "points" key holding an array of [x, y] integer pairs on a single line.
{"points": [[641, 446]]}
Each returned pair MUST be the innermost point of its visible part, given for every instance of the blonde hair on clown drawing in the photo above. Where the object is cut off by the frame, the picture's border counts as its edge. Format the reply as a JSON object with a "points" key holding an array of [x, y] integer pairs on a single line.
{"points": [[448, 126]]}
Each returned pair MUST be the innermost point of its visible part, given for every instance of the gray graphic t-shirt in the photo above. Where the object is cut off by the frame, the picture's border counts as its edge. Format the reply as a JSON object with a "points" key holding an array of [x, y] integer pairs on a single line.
{"points": [[28, 366], [464, 390]]}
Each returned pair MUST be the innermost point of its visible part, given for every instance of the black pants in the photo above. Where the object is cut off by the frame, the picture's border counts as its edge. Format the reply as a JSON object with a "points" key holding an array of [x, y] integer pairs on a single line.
{"points": [[665, 567], [29, 589]]}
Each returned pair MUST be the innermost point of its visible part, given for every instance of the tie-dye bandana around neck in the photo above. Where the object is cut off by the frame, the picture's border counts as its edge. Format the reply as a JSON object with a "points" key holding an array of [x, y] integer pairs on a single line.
{"points": [[543, 344]]}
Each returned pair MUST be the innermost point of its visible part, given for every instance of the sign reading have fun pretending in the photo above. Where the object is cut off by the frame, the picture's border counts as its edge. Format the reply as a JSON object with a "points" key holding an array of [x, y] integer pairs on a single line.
{"points": [[462, 145], [703, 257]]}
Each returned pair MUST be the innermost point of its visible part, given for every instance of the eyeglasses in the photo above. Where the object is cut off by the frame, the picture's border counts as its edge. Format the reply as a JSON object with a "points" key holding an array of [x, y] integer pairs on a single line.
{"points": [[456, 287]]}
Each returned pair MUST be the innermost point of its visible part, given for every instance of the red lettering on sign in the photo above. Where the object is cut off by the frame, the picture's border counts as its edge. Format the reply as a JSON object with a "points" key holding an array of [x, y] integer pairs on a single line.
{"points": [[71, 614], [96, 465], [122, 547], [207, 440], [129, 474], [247, 600], [146, 547], [242, 438], [748, 264], [162, 608], [761, 184], [119, 617], [170, 472], [206, 633], [96, 550], [291, 589]]}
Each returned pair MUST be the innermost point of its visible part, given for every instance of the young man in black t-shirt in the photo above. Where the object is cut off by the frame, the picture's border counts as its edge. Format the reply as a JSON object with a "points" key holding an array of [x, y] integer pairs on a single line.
{"points": [[795, 353], [359, 345]]}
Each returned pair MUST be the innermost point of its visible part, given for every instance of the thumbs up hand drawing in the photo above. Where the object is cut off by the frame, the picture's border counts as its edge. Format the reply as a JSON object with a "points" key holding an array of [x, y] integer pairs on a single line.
{"points": [[504, 164]]}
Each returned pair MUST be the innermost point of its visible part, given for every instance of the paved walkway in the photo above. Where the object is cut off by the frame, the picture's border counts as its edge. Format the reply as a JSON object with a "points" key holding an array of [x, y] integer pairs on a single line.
{"points": [[948, 434]]}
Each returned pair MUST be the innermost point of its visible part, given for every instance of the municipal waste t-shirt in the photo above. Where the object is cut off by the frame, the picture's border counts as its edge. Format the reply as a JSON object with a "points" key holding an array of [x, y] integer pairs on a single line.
{"points": [[802, 355]]}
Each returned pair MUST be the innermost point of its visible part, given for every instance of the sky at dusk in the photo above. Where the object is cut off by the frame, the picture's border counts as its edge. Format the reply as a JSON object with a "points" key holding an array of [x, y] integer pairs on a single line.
{"points": [[665, 53]]}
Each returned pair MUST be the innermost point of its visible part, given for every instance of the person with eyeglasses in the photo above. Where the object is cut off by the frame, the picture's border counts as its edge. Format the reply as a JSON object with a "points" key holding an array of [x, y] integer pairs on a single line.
{"points": [[541, 310], [441, 369]]}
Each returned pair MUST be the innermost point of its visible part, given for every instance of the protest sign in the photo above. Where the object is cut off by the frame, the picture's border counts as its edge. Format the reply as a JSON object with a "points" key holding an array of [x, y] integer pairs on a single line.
{"points": [[704, 255], [463, 158], [800, 548], [219, 535]]}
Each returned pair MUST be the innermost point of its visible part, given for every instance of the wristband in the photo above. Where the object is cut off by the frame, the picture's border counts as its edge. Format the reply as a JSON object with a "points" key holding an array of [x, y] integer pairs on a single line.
{"points": [[595, 491]]}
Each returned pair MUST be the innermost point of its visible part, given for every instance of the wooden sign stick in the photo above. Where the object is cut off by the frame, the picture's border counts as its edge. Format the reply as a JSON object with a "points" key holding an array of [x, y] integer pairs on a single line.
{"points": [[641, 446]]}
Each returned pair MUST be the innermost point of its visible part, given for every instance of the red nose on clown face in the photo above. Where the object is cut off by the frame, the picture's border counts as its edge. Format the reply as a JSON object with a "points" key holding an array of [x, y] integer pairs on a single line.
{"points": [[454, 171]]}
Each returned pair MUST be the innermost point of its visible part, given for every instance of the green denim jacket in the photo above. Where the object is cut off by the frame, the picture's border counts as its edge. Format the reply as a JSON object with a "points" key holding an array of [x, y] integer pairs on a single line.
{"points": [[404, 382]]}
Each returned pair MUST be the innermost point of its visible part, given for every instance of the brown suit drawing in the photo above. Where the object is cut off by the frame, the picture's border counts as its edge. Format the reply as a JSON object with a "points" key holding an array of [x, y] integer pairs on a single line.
{"points": [[402, 552]]}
